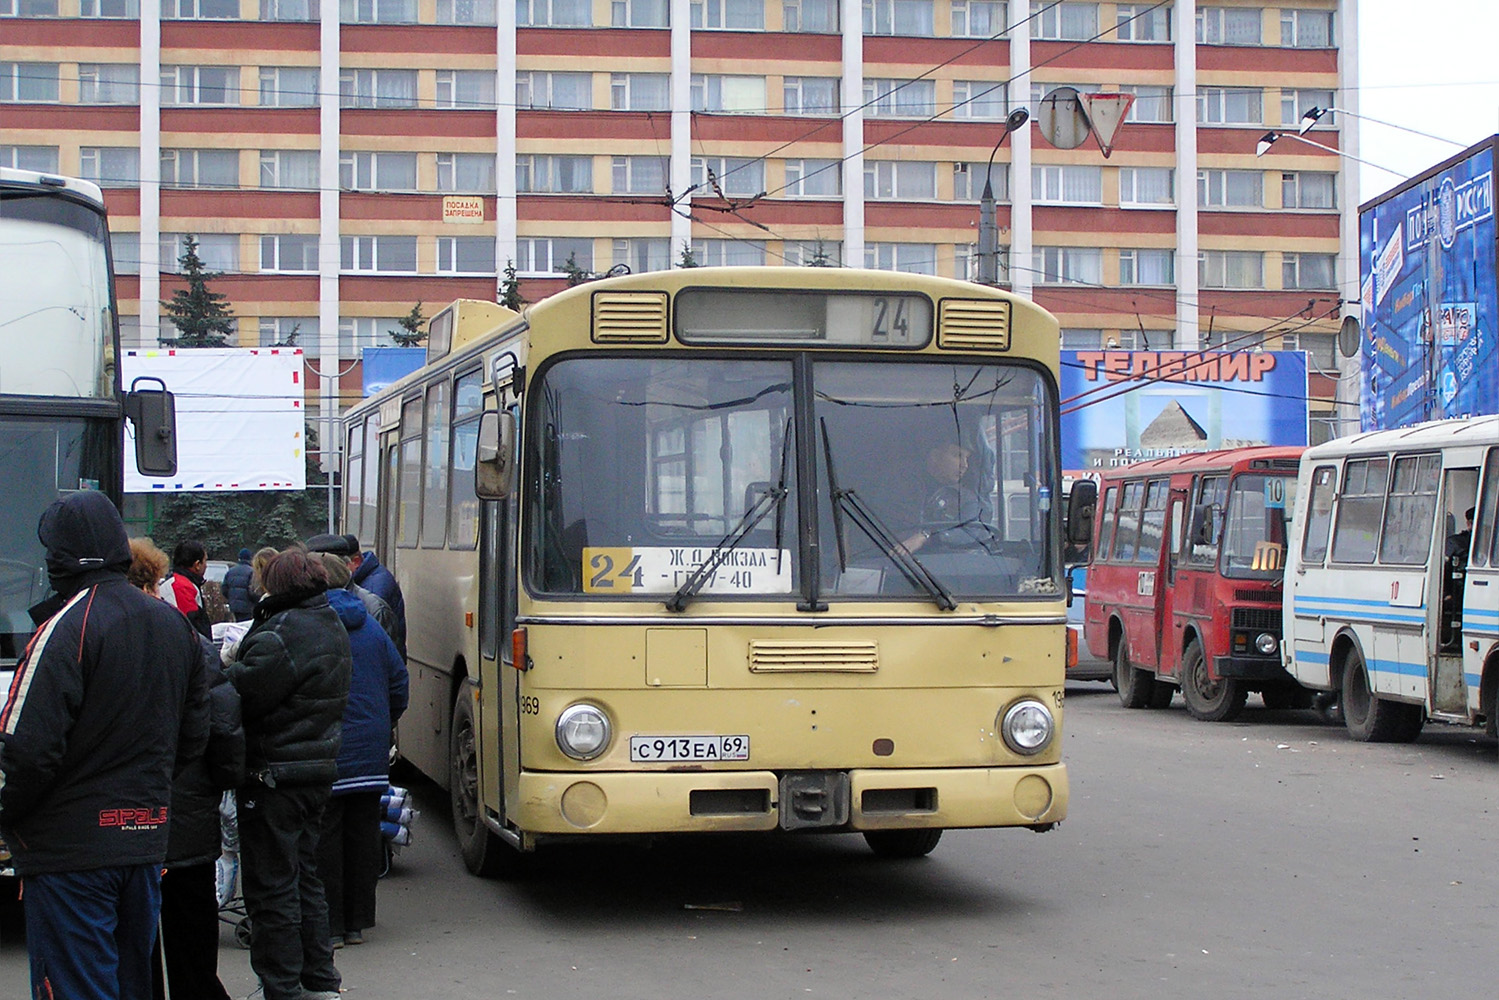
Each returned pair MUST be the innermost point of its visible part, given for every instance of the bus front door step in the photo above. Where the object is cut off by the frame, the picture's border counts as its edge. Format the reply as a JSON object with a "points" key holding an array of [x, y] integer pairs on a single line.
{"points": [[813, 799]]}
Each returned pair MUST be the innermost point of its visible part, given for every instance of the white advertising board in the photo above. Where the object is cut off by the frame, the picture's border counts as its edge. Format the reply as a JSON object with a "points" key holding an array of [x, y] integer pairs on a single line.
{"points": [[241, 422]]}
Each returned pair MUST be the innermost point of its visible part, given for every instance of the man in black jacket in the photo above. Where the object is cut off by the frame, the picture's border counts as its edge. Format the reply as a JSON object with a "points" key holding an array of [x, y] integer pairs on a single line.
{"points": [[109, 700], [237, 588]]}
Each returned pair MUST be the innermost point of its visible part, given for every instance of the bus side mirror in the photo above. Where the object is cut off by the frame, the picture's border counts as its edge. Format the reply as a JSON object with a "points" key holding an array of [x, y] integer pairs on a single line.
{"points": [[1204, 524], [1081, 504], [154, 414], [494, 465]]}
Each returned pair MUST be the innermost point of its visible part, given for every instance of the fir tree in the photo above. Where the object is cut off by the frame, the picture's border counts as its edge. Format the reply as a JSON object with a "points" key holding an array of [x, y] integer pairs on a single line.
{"points": [[820, 257], [411, 333], [688, 258], [576, 275], [202, 316], [510, 296]]}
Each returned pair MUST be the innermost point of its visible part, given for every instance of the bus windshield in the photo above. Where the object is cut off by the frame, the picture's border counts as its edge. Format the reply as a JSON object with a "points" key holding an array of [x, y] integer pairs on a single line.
{"points": [[932, 478], [56, 326], [1260, 511]]}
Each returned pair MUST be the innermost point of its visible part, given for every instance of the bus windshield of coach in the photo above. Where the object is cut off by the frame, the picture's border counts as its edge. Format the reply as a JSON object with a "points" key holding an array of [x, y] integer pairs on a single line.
{"points": [[1258, 522]]}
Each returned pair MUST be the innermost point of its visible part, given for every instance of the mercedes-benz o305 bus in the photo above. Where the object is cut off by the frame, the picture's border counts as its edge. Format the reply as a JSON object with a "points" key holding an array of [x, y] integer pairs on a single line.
{"points": [[1392, 593], [728, 549], [1184, 589]]}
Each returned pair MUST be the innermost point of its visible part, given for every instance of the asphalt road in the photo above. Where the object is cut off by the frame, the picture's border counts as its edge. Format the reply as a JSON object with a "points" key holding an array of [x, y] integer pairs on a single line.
{"points": [[1269, 858]]}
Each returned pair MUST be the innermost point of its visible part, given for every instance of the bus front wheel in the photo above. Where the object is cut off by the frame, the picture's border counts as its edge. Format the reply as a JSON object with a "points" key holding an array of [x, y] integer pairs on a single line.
{"points": [[1370, 718], [902, 843], [482, 850], [1210, 700]]}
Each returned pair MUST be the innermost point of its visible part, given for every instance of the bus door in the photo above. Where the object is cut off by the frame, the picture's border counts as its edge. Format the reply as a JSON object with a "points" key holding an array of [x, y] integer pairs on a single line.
{"points": [[1168, 606], [1403, 638], [1480, 625], [1143, 615], [1449, 689]]}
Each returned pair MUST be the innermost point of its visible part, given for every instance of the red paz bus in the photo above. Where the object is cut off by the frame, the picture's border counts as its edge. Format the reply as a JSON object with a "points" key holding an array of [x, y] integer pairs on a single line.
{"points": [[1185, 585]]}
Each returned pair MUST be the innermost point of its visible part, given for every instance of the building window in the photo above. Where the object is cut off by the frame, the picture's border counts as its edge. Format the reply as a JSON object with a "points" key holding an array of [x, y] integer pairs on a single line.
{"points": [[729, 253], [1306, 189], [813, 179], [288, 10], [900, 98], [381, 254], [200, 168], [814, 16], [377, 11], [641, 255], [465, 88], [909, 258], [469, 173], [741, 94], [640, 92], [111, 166], [355, 333], [125, 250], [967, 260], [987, 100], [732, 176], [1067, 184], [979, 18], [730, 15], [1230, 189], [554, 13], [1147, 267], [1306, 29], [377, 171], [28, 82], [289, 253], [1230, 106], [898, 17], [810, 253], [109, 8], [541, 174], [810, 95], [1068, 265], [1295, 103], [639, 175], [554, 91], [28, 8], [200, 10], [1318, 347], [108, 83], [900, 180], [1141, 22], [290, 331], [1149, 186], [290, 168], [543, 255], [1066, 21], [42, 159], [217, 251], [1229, 25], [465, 12], [288, 86], [199, 85], [1151, 104], [639, 14], [1308, 270], [1231, 269], [465, 255], [1081, 340], [968, 181], [377, 88]]}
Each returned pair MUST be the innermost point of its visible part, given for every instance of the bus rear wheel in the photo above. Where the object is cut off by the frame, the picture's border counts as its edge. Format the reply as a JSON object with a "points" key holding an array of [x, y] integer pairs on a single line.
{"points": [[1370, 718], [1135, 686], [1210, 700], [483, 853], [902, 843]]}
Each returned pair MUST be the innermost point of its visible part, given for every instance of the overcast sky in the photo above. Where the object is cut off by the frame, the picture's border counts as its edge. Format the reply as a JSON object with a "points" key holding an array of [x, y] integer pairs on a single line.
{"points": [[1430, 65]]}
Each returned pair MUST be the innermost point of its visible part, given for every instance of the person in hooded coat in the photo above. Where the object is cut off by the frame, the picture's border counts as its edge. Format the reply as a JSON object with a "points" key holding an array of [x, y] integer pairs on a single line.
{"points": [[109, 701], [237, 588]]}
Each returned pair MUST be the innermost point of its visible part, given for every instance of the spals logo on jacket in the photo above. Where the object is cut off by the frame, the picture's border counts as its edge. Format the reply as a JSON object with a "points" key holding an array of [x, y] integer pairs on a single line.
{"points": [[133, 818]]}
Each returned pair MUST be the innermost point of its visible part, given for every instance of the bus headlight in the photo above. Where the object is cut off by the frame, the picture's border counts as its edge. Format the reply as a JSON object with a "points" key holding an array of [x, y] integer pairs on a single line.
{"points": [[1266, 643], [1027, 727], [583, 731]]}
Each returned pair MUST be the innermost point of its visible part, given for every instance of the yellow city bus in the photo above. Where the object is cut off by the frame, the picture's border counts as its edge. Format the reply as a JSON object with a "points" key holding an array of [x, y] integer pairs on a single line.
{"points": [[728, 549]]}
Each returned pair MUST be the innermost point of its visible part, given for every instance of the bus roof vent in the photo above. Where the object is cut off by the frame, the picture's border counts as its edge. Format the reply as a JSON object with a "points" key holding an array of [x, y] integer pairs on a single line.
{"points": [[629, 317], [770, 656], [974, 325]]}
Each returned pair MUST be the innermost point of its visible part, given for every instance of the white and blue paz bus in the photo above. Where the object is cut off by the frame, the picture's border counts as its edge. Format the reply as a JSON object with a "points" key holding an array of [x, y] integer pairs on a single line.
{"points": [[1392, 593]]}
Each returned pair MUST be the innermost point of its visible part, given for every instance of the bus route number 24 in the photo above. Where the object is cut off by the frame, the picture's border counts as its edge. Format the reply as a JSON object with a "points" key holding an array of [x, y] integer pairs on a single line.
{"points": [[608, 571]]}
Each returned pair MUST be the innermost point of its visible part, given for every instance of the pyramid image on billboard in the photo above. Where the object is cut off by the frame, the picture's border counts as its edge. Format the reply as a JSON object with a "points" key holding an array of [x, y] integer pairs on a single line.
{"points": [[1173, 428]]}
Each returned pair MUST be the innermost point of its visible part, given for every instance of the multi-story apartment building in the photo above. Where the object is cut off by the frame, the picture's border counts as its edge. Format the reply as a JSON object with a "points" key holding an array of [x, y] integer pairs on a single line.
{"points": [[341, 160]]}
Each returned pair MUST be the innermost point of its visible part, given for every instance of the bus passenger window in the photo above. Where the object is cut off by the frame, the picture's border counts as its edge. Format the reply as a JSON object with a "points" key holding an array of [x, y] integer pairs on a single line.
{"points": [[1127, 536], [354, 481], [1356, 536], [1486, 552], [435, 476], [1409, 514], [1212, 495], [1153, 523], [1319, 513], [409, 522]]}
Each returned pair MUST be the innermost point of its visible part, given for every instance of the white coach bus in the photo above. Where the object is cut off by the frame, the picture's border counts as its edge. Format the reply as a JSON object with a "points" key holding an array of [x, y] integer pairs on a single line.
{"points": [[1393, 592]]}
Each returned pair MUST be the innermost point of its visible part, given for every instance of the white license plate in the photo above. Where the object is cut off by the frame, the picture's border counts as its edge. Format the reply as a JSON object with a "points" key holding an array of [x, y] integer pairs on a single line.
{"points": [[679, 749]]}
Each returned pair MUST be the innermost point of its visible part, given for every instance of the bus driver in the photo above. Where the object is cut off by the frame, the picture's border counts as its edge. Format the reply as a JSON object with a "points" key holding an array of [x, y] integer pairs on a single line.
{"points": [[945, 500]]}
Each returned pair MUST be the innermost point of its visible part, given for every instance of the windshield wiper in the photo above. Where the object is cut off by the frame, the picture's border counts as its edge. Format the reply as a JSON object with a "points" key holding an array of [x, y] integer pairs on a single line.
{"points": [[774, 498], [850, 502]]}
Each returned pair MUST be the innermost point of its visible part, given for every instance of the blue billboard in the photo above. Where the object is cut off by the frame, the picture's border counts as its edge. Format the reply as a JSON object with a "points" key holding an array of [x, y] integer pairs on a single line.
{"points": [[1121, 407], [385, 366], [1430, 344]]}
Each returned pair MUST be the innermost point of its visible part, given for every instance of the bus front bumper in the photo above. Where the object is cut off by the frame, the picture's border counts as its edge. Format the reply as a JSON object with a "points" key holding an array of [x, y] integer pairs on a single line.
{"points": [[1252, 668], [720, 801]]}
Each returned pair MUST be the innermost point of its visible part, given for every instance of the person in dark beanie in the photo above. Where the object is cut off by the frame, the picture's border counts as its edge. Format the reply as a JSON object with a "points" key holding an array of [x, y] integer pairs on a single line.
{"points": [[346, 547], [109, 701], [292, 672], [237, 587]]}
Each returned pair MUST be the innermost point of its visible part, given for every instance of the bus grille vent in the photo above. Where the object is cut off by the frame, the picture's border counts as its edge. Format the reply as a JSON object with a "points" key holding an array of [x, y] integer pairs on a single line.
{"points": [[974, 324], [1257, 619], [766, 656], [1257, 595], [629, 317]]}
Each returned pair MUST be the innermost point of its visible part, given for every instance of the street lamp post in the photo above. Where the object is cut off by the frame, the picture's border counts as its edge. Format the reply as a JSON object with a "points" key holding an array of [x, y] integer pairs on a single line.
{"points": [[988, 223]]}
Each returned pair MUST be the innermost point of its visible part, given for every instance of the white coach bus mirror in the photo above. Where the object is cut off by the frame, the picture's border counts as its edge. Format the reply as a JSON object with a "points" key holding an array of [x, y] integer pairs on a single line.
{"points": [[494, 466]]}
